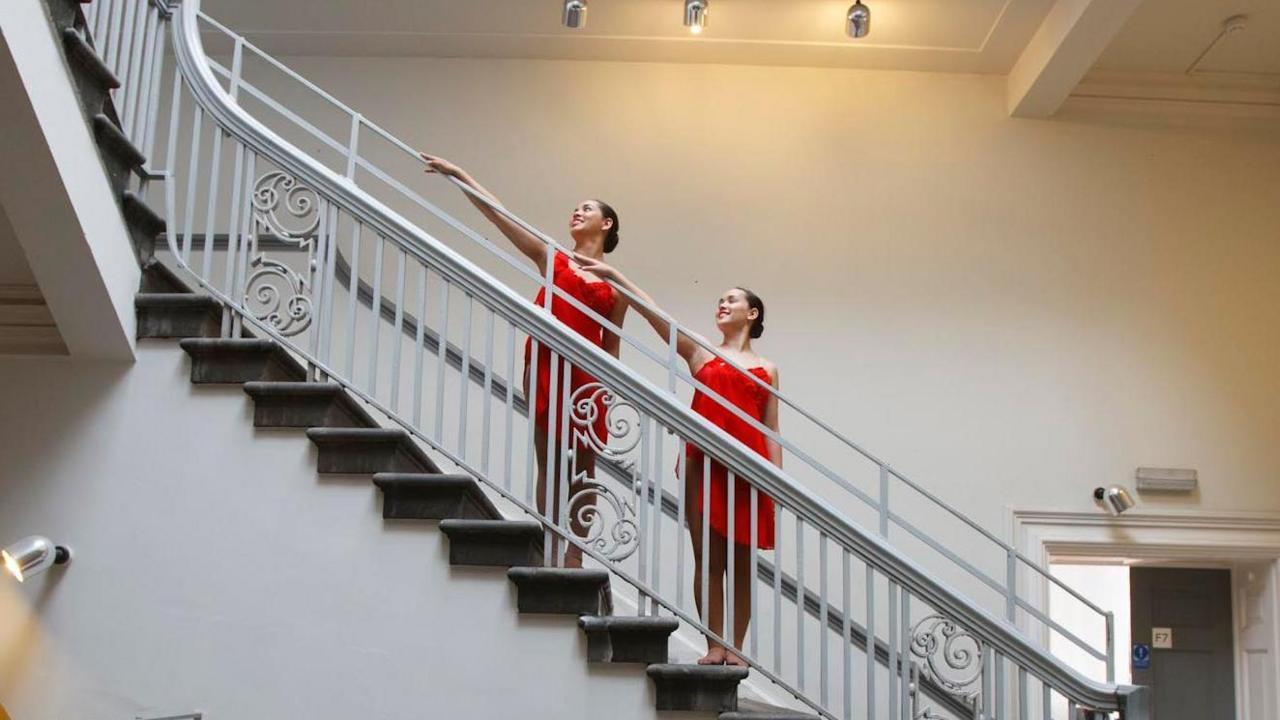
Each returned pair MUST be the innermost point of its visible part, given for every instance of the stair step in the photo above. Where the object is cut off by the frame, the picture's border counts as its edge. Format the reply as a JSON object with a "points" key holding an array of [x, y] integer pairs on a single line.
{"points": [[177, 315], [562, 591], [94, 80], [63, 13], [158, 278], [119, 154], [408, 496], [699, 688], [365, 451], [494, 543], [285, 404], [239, 360], [144, 225], [778, 715], [627, 639]]}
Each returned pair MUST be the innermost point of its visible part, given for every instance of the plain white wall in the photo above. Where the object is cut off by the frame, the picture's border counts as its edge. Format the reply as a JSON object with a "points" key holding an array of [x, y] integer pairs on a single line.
{"points": [[1009, 311]]}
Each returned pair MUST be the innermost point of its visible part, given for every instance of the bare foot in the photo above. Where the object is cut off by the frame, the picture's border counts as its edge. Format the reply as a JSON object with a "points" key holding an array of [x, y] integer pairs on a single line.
{"points": [[714, 656], [733, 659]]}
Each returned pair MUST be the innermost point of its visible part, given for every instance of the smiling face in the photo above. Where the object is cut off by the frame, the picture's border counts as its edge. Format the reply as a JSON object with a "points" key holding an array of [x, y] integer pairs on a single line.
{"points": [[733, 312], [588, 221]]}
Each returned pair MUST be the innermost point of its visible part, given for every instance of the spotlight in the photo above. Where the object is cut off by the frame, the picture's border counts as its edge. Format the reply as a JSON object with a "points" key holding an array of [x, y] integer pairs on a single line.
{"points": [[695, 15], [1115, 499], [859, 20], [575, 14], [31, 556]]}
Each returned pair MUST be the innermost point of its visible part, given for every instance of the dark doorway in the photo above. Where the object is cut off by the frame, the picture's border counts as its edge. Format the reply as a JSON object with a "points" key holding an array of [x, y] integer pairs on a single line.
{"points": [[1193, 678]]}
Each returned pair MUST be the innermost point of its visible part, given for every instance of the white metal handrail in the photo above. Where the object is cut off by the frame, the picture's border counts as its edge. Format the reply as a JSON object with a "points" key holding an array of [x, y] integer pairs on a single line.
{"points": [[343, 199]]}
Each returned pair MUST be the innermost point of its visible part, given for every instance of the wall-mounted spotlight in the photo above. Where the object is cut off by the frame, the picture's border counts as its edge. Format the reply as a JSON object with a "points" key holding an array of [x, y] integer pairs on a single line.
{"points": [[1115, 499], [695, 15], [575, 14], [859, 20], [31, 556]]}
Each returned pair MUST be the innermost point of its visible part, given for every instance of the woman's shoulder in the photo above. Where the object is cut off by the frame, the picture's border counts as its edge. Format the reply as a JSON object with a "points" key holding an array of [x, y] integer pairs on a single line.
{"points": [[768, 367]]}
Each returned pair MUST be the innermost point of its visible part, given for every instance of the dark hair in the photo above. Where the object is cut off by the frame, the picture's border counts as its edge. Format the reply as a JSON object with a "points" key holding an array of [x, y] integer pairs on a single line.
{"points": [[755, 303], [611, 239]]}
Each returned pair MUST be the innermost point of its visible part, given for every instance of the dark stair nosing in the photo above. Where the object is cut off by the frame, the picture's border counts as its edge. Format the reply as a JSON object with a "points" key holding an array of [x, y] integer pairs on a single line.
{"points": [[239, 360], [493, 543], [82, 54], [177, 315], [366, 451], [701, 688], [293, 404], [416, 496], [562, 591], [768, 715], [144, 225], [629, 639], [113, 140]]}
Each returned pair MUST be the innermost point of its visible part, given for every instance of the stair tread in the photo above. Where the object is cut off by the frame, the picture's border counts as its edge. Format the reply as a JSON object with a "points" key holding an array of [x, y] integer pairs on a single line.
{"points": [[113, 139], [681, 671], [83, 54], [585, 576], [173, 298], [779, 715], [458, 526], [628, 623]]}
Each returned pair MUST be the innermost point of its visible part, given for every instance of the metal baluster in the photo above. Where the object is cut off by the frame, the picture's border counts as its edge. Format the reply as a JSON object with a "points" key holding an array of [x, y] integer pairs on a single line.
{"points": [[247, 238], [800, 603], [681, 449], [153, 103], [870, 641], [846, 634], [112, 44], [640, 485], [91, 15], [1046, 702], [102, 26], [777, 588], [133, 69], [987, 677], [894, 658], [904, 675], [823, 632], [655, 532], [705, 521], [353, 295], [510, 402], [568, 456], [442, 356], [997, 699], [531, 371], [884, 501], [143, 55], [730, 535], [170, 160], [331, 284], [397, 340], [548, 470], [233, 242], [375, 315], [211, 207], [1024, 706], [124, 41], [1011, 585], [318, 290], [193, 176], [755, 569], [487, 396], [325, 283], [419, 346], [1110, 619], [464, 382]]}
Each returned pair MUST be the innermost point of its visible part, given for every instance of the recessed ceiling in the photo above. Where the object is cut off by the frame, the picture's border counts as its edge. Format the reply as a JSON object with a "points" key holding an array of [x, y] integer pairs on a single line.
{"points": [[984, 36], [1166, 36]]}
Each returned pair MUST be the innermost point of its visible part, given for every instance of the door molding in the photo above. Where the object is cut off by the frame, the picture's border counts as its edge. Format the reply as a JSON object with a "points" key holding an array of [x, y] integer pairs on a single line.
{"points": [[1227, 539]]}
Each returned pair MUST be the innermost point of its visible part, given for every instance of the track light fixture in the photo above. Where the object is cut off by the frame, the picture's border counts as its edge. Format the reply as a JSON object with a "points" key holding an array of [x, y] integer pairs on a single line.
{"points": [[859, 20], [575, 14], [31, 556], [1115, 499], [695, 15]]}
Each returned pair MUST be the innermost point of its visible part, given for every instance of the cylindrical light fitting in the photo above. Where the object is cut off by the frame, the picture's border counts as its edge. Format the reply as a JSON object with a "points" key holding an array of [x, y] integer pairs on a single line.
{"points": [[859, 20], [695, 15], [575, 14], [1115, 499], [31, 556]]}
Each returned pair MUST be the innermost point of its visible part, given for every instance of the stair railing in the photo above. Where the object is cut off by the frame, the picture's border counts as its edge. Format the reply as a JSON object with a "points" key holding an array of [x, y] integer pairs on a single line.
{"points": [[931, 627]]}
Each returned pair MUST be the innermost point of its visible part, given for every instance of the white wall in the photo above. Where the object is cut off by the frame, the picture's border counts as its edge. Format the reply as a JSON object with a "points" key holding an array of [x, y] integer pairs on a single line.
{"points": [[1010, 311], [215, 571]]}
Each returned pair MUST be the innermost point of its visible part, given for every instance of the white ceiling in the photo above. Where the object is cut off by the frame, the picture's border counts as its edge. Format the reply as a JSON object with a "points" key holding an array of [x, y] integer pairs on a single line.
{"points": [[985, 36], [1166, 36]]}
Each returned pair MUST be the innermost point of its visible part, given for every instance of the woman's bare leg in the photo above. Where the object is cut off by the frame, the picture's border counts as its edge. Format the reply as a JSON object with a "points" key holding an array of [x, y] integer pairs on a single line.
{"points": [[714, 612], [742, 580]]}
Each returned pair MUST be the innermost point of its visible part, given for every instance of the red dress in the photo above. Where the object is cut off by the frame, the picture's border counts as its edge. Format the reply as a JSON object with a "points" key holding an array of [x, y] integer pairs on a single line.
{"points": [[750, 397], [599, 296]]}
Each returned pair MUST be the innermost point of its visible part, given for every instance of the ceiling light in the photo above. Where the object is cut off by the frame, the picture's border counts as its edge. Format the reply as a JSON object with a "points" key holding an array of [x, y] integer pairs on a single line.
{"points": [[859, 20], [575, 14], [695, 15], [1115, 499], [31, 556]]}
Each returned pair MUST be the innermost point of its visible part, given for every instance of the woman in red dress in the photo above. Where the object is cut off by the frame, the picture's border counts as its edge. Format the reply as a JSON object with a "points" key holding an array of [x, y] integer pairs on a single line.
{"points": [[740, 319], [594, 227]]}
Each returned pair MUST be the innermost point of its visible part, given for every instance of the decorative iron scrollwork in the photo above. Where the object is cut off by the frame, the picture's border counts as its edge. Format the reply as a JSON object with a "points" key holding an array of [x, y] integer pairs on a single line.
{"points": [[274, 292], [607, 518], [950, 657]]}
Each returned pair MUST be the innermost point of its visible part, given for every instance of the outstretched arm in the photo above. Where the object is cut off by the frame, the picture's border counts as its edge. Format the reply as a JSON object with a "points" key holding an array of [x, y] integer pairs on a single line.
{"points": [[686, 346], [530, 245]]}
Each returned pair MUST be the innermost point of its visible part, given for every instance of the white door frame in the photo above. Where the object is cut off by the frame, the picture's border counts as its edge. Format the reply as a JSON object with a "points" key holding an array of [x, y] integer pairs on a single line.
{"points": [[1204, 539]]}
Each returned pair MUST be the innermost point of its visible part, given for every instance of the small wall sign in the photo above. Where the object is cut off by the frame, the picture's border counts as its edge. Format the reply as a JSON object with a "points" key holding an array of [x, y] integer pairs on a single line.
{"points": [[1162, 638], [1141, 657]]}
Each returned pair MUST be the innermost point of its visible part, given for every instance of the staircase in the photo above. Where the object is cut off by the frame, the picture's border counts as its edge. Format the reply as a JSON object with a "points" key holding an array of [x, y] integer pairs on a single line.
{"points": [[362, 393]]}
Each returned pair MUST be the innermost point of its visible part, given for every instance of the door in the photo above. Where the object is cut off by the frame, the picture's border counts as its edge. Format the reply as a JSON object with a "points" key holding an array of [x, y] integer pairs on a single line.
{"points": [[1184, 619]]}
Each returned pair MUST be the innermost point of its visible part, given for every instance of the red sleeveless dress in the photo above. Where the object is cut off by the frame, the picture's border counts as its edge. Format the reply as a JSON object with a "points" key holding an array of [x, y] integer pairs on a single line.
{"points": [[748, 396], [599, 296]]}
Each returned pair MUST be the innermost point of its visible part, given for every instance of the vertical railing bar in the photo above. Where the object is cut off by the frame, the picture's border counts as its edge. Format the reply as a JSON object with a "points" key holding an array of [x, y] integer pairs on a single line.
{"points": [[112, 44], [640, 483], [655, 531], [233, 238], [442, 352], [193, 170], [1046, 701], [237, 65], [124, 41], [96, 25], [153, 104], [315, 261], [247, 239], [487, 395], [869, 647], [325, 283], [141, 53], [823, 632], [894, 660], [1011, 585], [419, 347], [730, 535], [1110, 619], [705, 521], [904, 661], [568, 457], [397, 339], [997, 698], [331, 282], [549, 466], [353, 295], [532, 350], [375, 315], [800, 674], [1024, 706], [464, 379], [884, 501], [987, 662], [846, 634], [681, 471], [171, 166], [510, 402], [353, 145], [777, 588], [211, 208], [753, 620]]}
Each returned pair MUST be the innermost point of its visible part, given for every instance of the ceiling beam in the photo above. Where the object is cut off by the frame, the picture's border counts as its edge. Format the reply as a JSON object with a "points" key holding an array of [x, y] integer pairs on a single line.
{"points": [[1064, 48]]}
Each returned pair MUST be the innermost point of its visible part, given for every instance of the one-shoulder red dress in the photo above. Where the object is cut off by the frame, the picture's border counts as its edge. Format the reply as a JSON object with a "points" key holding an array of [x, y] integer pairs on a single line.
{"points": [[599, 296], [735, 387]]}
